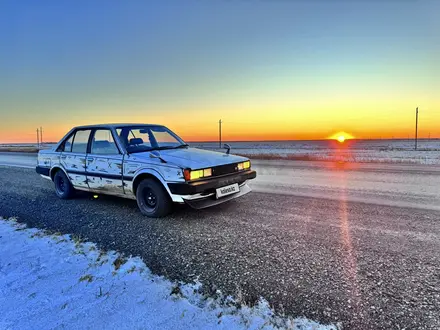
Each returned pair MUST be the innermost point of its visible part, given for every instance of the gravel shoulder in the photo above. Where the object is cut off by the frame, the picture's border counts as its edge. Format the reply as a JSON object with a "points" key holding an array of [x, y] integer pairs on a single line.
{"points": [[368, 266]]}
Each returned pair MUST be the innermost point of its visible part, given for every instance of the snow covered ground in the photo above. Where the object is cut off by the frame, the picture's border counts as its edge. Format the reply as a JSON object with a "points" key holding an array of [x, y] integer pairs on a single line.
{"points": [[53, 281], [370, 151]]}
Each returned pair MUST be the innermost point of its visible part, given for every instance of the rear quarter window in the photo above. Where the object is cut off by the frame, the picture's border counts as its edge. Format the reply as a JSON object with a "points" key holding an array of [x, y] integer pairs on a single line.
{"points": [[66, 146]]}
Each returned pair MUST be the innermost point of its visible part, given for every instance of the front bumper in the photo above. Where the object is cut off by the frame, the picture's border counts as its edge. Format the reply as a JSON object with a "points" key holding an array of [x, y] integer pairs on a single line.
{"points": [[204, 202], [42, 170], [208, 186]]}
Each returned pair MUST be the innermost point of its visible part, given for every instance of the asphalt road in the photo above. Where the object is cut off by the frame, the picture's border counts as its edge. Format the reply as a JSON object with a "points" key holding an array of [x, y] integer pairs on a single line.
{"points": [[357, 244]]}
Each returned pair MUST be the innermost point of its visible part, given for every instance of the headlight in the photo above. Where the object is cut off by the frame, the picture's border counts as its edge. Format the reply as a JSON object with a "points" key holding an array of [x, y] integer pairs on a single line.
{"points": [[244, 166], [196, 174]]}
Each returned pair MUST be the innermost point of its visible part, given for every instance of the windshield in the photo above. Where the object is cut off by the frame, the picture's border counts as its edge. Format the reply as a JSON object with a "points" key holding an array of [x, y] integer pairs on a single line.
{"points": [[148, 137]]}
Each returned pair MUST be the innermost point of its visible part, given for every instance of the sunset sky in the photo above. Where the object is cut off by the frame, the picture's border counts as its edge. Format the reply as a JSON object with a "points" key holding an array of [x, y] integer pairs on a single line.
{"points": [[269, 69]]}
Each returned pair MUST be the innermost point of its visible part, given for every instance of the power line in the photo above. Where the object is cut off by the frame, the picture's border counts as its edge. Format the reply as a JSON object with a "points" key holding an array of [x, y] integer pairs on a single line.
{"points": [[220, 133], [417, 122], [38, 138]]}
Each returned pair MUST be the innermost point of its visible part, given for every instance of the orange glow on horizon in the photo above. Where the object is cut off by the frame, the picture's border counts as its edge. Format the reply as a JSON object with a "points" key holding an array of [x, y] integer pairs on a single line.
{"points": [[210, 134], [264, 126]]}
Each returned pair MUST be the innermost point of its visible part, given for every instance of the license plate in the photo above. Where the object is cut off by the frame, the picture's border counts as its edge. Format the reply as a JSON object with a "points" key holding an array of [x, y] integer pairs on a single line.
{"points": [[227, 190]]}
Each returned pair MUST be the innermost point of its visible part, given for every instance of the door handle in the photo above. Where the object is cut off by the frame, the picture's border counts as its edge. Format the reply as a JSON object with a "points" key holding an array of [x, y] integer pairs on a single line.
{"points": [[90, 159]]}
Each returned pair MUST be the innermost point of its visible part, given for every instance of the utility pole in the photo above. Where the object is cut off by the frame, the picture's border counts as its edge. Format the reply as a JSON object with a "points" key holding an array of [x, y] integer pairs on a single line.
{"points": [[41, 135], [417, 123], [220, 133], [38, 138]]}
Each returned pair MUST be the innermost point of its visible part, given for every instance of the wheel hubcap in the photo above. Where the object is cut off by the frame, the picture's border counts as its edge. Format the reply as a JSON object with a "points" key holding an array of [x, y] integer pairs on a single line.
{"points": [[150, 198], [61, 185]]}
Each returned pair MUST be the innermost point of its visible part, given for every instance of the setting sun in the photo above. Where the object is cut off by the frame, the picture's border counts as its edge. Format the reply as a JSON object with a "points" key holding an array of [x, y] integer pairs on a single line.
{"points": [[341, 137]]}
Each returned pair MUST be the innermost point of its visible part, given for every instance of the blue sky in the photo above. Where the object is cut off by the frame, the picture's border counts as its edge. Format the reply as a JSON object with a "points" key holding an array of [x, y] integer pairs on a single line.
{"points": [[89, 61]]}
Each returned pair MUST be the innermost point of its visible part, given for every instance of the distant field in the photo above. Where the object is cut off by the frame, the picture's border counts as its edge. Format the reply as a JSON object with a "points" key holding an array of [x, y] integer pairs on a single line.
{"points": [[23, 147]]}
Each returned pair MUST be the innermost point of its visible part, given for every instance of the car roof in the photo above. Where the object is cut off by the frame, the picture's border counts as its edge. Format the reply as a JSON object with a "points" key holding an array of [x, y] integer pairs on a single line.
{"points": [[115, 125]]}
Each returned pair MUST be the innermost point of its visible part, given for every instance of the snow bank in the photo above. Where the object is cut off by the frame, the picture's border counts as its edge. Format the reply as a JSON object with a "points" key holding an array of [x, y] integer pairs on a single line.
{"points": [[52, 281]]}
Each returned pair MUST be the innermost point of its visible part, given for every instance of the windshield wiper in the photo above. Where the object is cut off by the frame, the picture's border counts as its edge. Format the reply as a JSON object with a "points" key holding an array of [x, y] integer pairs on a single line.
{"points": [[182, 146], [137, 150], [174, 147], [156, 148]]}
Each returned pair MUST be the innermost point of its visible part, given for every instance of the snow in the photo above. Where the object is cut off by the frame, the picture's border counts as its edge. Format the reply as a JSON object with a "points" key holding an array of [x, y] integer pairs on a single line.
{"points": [[53, 281], [371, 151]]}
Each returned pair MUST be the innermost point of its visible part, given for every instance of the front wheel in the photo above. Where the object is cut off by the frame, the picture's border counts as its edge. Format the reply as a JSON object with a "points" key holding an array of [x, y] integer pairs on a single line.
{"points": [[63, 187], [152, 199]]}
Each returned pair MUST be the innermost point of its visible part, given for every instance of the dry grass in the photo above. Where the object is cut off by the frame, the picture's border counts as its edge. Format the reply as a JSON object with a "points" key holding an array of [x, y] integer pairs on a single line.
{"points": [[18, 149], [118, 263], [86, 278]]}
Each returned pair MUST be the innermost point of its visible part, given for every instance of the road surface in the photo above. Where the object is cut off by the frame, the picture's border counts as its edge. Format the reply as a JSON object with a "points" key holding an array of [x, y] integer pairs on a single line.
{"points": [[352, 243]]}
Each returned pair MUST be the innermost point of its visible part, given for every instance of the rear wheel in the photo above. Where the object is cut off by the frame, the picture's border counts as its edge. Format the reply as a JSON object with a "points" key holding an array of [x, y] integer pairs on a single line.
{"points": [[63, 187], [152, 199]]}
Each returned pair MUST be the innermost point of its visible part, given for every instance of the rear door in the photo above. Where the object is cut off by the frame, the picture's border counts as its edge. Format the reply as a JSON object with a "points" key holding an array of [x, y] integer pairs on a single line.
{"points": [[104, 163], [73, 157]]}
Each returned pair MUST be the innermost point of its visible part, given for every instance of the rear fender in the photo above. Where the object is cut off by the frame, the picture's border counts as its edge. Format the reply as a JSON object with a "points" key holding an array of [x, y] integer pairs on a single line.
{"points": [[56, 168]]}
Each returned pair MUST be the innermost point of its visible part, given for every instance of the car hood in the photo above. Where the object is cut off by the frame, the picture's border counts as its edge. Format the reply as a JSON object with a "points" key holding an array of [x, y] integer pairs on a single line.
{"points": [[194, 158]]}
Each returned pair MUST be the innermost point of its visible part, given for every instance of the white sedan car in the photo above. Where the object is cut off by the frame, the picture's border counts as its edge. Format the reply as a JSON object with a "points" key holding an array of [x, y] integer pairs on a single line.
{"points": [[148, 163]]}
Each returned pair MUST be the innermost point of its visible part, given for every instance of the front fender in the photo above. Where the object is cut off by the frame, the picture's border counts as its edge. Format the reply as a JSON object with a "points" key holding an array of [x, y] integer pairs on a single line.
{"points": [[146, 171]]}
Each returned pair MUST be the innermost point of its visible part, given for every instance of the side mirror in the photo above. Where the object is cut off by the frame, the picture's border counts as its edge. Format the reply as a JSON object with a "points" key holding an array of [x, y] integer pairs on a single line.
{"points": [[155, 154], [227, 147]]}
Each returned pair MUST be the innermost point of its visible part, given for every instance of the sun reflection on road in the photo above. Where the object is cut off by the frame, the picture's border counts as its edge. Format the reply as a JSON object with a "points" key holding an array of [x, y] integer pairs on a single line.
{"points": [[350, 262]]}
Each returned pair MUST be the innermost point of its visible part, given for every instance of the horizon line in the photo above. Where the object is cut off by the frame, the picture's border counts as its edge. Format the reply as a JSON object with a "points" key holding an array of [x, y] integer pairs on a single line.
{"points": [[281, 140]]}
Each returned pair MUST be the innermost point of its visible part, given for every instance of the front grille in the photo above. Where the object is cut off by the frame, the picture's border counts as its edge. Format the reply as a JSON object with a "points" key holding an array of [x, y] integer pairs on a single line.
{"points": [[224, 169]]}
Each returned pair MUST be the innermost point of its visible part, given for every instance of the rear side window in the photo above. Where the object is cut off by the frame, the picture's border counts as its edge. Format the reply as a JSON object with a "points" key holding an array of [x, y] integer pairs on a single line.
{"points": [[67, 144], [103, 143], [80, 141]]}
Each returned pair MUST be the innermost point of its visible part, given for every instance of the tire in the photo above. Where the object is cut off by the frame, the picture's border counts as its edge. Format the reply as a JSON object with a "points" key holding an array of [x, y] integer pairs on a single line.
{"points": [[63, 187], [152, 199]]}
